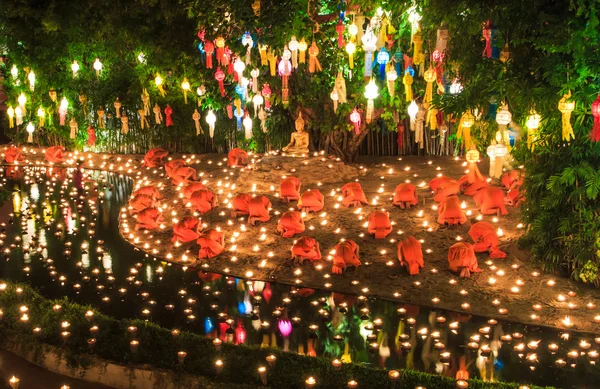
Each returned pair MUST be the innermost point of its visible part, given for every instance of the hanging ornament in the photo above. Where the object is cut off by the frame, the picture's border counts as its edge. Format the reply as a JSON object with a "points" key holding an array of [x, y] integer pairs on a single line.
{"points": [[266, 92], [413, 19], [196, 118], [432, 121], [351, 49], [158, 118], [340, 86], [31, 78], [353, 30], [340, 31], [369, 41], [262, 116], [418, 56], [487, 36], [14, 72], [335, 97], [41, 114], [52, 94], [211, 119], [258, 101], [62, 110], [256, 7], [220, 76], [413, 109], [419, 126], [293, 46], [254, 73], [143, 121], [100, 113], [441, 42], [239, 68], [146, 102], [383, 30], [158, 81], [262, 49], [98, 67], [383, 57], [464, 128], [73, 126], [355, 119], [247, 127], [566, 106], [503, 118], [11, 116], [168, 118], [185, 85], [533, 123], [371, 93], [285, 71], [391, 76], [91, 142], [220, 44], [229, 111], [30, 128], [124, 124], [505, 53], [249, 43], [407, 80], [397, 58], [360, 22], [595, 134], [117, 105], [302, 47], [238, 112], [209, 49], [313, 62], [22, 100], [430, 77], [500, 151], [272, 62], [19, 115]]}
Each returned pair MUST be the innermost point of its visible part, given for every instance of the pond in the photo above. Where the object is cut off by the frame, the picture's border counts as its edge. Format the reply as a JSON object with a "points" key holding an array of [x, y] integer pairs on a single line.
{"points": [[65, 244]]}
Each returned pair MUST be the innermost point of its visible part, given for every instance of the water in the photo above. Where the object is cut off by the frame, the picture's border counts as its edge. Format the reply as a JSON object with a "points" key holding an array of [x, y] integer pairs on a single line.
{"points": [[53, 240]]}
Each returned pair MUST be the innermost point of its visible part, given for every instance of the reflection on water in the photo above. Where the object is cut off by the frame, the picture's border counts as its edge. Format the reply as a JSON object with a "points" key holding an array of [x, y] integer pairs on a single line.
{"points": [[64, 244]]}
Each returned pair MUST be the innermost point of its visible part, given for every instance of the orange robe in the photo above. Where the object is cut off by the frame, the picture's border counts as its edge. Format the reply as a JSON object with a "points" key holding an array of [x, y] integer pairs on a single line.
{"points": [[435, 183], [183, 175], [186, 230], [511, 178], [154, 157], [473, 181], [461, 258], [379, 224], [149, 190], [450, 212], [311, 201], [405, 196], [289, 189], [445, 189], [353, 195], [55, 154], [306, 248], [240, 205], [211, 243], [259, 210], [491, 200], [148, 219], [191, 188], [13, 154], [139, 203], [203, 200], [291, 223], [174, 164], [346, 254], [486, 239], [514, 196], [237, 157], [410, 255]]}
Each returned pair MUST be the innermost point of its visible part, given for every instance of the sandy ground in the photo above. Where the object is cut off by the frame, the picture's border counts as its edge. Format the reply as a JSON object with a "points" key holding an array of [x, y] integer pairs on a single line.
{"points": [[258, 252]]}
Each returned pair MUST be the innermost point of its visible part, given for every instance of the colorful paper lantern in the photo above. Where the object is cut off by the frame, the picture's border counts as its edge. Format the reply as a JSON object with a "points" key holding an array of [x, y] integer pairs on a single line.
{"points": [[30, 128], [211, 119], [355, 119], [185, 85], [383, 57], [220, 76], [371, 93], [566, 106], [351, 49], [595, 134]]}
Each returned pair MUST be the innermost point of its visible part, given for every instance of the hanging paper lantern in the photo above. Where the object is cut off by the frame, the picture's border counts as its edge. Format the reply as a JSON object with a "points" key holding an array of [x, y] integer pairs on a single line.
{"points": [[418, 56], [30, 128], [185, 85], [74, 127], [383, 57], [196, 119], [369, 41], [340, 31], [335, 97], [31, 78], [254, 73], [413, 110], [302, 47], [432, 120], [117, 105], [62, 110], [392, 76], [11, 115], [249, 43], [472, 156], [239, 68], [351, 49], [168, 118], [158, 81], [313, 62], [209, 49], [293, 46], [41, 116], [566, 106], [505, 53], [413, 19], [141, 58], [100, 113], [371, 93], [97, 66], [442, 38], [247, 127], [353, 29], [407, 80], [487, 36], [220, 44], [22, 100], [124, 124], [14, 72], [238, 112], [467, 121], [285, 71], [272, 58], [397, 58], [262, 50], [211, 119], [355, 119], [258, 101], [256, 7], [595, 134], [533, 123], [503, 118], [52, 94], [430, 78], [157, 114], [220, 76], [19, 115], [266, 92], [340, 86]]}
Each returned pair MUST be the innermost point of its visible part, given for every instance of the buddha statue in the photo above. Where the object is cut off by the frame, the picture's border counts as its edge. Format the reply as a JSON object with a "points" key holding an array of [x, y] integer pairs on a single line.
{"points": [[299, 140]]}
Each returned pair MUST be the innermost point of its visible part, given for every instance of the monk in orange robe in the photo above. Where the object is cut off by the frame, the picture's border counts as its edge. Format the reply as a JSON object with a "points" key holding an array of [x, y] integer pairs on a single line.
{"points": [[240, 205], [258, 210], [191, 188], [186, 230], [511, 178], [291, 223], [405, 196], [410, 255], [353, 195], [305, 248], [491, 201], [55, 154], [154, 157], [435, 183], [139, 203], [174, 164], [203, 200], [237, 157], [486, 239], [289, 189], [13, 154], [148, 219], [183, 175], [473, 181], [311, 201], [450, 212], [379, 224], [446, 188], [346, 255], [514, 196], [462, 259], [149, 191], [211, 243]]}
